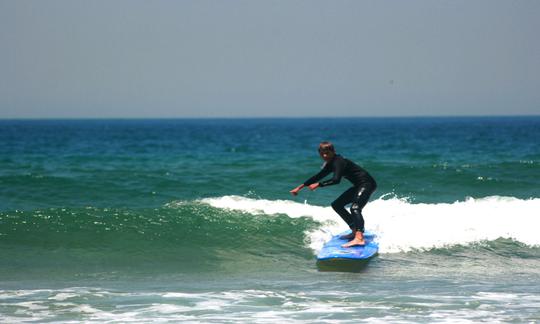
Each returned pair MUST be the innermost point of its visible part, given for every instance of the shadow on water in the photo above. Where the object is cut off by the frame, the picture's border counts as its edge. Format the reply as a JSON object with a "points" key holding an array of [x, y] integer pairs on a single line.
{"points": [[343, 265]]}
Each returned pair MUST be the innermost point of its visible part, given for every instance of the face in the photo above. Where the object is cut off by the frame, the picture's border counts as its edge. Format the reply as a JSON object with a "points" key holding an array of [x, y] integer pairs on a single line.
{"points": [[326, 155]]}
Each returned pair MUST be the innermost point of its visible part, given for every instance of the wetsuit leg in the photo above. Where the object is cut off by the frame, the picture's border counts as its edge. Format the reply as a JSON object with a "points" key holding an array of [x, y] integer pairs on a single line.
{"points": [[339, 205], [360, 199]]}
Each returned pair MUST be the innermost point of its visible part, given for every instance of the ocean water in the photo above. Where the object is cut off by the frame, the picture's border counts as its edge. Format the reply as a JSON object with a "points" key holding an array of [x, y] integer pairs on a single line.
{"points": [[186, 220]]}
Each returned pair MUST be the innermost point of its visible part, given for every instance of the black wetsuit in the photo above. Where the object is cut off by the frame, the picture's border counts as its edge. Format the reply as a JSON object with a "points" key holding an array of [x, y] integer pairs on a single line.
{"points": [[363, 186]]}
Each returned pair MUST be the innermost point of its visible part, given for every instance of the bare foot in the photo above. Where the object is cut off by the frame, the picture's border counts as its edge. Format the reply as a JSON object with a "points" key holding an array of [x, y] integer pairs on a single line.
{"points": [[349, 236], [355, 242]]}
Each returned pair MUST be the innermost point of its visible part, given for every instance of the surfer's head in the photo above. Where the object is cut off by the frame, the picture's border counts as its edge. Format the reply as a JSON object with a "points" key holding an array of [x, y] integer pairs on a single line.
{"points": [[327, 151]]}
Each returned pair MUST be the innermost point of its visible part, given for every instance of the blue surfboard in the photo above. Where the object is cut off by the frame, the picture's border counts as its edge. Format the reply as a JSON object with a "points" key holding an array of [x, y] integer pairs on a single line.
{"points": [[332, 249]]}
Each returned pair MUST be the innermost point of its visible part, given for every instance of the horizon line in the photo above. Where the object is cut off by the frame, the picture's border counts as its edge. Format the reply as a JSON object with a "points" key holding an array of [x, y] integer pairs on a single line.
{"points": [[267, 117]]}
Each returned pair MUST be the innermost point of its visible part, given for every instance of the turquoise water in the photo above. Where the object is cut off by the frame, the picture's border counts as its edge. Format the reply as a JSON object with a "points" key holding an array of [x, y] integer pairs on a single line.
{"points": [[192, 220]]}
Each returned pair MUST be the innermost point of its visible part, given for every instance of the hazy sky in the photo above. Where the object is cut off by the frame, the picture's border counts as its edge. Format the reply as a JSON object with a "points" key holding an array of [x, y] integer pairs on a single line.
{"points": [[288, 58]]}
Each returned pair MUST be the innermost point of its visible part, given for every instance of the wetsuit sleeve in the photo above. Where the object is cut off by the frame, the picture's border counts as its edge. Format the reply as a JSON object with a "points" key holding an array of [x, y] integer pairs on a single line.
{"points": [[339, 167], [323, 173]]}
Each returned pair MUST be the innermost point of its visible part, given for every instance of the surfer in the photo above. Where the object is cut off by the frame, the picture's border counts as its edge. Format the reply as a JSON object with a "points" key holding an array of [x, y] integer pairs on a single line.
{"points": [[358, 195]]}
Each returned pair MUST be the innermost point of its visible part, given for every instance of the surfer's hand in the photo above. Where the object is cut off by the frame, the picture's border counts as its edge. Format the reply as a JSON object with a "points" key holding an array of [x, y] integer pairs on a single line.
{"points": [[314, 186], [294, 192]]}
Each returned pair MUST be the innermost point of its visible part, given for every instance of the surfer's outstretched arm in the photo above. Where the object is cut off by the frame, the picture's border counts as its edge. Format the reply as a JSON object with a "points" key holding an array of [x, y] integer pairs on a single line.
{"points": [[312, 186]]}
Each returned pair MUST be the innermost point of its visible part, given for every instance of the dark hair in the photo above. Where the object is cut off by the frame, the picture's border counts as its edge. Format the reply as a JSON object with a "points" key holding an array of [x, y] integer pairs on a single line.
{"points": [[326, 147]]}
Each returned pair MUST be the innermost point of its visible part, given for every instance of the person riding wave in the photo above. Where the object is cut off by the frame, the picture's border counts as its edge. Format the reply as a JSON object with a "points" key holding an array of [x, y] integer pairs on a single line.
{"points": [[358, 195]]}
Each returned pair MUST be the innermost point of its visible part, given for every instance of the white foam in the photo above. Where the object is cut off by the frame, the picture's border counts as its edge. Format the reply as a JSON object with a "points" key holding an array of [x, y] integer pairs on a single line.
{"points": [[84, 308], [404, 226], [270, 207], [177, 295], [168, 309], [63, 296], [264, 306]]}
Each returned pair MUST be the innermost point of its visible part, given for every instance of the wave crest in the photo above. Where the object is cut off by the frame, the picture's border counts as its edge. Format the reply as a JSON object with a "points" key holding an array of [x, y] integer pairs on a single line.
{"points": [[402, 226]]}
